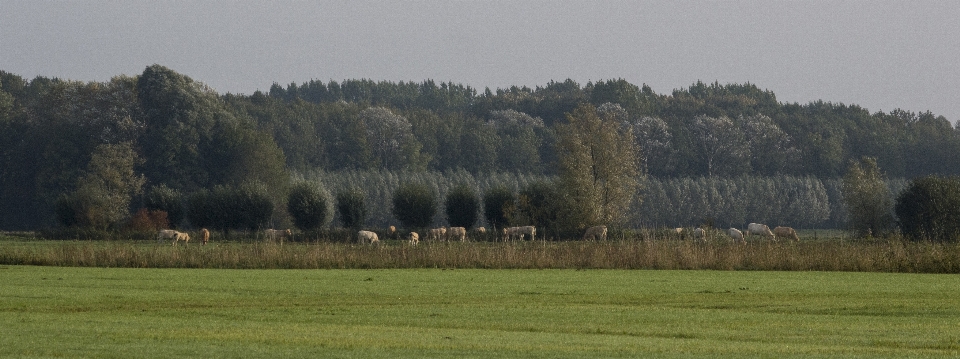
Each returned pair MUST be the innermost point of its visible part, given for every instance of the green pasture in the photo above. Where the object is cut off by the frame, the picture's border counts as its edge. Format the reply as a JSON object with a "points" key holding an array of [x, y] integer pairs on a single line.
{"points": [[129, 313]]}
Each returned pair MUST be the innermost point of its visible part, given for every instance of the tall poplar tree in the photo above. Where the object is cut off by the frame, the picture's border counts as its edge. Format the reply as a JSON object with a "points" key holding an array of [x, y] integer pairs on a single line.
{"points": [[598, 167]]}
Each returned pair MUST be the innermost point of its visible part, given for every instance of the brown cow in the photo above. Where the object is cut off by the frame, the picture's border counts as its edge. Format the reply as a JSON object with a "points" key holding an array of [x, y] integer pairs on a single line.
{"points": [[204, 235], [786, 232], [596, 233]]}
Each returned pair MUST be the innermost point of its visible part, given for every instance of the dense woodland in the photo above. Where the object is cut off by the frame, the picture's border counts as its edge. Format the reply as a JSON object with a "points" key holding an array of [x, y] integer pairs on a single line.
{"points": [[162, 128]]}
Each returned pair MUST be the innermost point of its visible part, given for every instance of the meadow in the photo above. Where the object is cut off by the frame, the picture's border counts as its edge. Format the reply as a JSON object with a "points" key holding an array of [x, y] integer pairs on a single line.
{"points": [[396, 313], [652, 295]]}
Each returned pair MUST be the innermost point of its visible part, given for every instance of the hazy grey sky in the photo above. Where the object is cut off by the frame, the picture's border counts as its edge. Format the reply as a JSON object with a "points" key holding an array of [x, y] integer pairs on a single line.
{"points": [[881, 55]]}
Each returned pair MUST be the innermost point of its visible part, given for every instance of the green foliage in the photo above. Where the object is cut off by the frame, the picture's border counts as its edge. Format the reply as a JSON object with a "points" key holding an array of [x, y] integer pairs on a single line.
{"points": [[414, 205], [868, 199], [103, 194], [310, 206], [166, 199], [929, 209], [462, 207], [496, 203], [351, 207], [191, 137], [225, 208], [599, 168], [541, 204]]}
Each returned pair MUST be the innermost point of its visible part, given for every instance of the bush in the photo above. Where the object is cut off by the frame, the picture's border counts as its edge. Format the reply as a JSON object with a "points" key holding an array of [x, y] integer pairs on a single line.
{"points": [[163, 198], [227, 208], [309, 205], [351, 207], [929, 209], [868, 199], [462, 207], [495, 204], [148, 221], [414, 205]]}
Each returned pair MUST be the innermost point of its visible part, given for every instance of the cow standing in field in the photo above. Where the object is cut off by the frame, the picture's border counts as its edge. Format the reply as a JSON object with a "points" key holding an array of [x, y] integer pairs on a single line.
{"points": [[435, 233], [166, 234], [596, 233], [527, 231], [414, 238], [204, 236], [365, 237], [760, 229], [699, 233], [517, 232], [180, 236], [736, 235], [786, 232], [457, 233]]}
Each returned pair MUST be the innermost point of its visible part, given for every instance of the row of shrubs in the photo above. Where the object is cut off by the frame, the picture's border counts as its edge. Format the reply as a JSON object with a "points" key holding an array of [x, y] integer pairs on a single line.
{"points": [[925, 208]]}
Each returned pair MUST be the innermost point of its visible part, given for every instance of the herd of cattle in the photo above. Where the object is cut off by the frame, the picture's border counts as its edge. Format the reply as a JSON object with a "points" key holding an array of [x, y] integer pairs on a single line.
{"points": [[595, 233], [752, 229]]}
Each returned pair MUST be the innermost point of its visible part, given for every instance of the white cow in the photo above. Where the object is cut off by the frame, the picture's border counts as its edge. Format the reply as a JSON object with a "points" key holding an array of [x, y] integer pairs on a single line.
{"points": [[760, 229], [166, 234], [414, 238], [699, 233], [367, 237], [736, 235], [437, 233], [596, 233], [457, 233], [527, 231]]}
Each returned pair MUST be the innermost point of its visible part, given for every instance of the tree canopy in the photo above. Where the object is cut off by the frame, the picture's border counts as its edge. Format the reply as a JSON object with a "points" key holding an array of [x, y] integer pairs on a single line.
{"points": [[189, 138]]}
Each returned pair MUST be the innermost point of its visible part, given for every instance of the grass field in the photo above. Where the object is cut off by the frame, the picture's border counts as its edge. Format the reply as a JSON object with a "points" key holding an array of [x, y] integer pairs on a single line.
{"points": [[124, 313]]}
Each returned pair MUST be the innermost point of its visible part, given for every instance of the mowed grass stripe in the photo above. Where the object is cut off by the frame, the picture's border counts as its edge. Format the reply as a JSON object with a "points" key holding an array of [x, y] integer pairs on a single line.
{"points": [[101, 312]]}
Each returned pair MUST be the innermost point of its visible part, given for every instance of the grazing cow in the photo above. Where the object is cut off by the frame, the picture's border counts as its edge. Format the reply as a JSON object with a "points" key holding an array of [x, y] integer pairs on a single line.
{"points": [[760, 229], [180, 236], [204, 235], [166, 234], [699, 233], [736, 235], [414, 238], [510, 233], [596, 233], [457, 233], [437, 234], [481, 230], [678, 230], [527, 231], [278, 234], [368, 237], [787, 232]]}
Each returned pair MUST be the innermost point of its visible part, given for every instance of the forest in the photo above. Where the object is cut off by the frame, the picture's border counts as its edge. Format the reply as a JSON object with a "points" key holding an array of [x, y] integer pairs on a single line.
{"points": [[703, 151]]}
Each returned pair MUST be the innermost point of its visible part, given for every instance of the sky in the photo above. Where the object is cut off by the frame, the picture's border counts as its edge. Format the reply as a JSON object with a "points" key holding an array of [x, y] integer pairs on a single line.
{"points": [[881, 55]]}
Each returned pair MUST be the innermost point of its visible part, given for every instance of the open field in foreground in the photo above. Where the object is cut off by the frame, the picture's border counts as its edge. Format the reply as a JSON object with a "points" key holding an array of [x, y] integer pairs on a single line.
{"points": [[124, 313]]}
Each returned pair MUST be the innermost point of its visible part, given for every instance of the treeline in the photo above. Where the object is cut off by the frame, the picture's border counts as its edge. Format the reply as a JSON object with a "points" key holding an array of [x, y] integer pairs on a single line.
{"points": [[66, 143], [802, 202]]}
